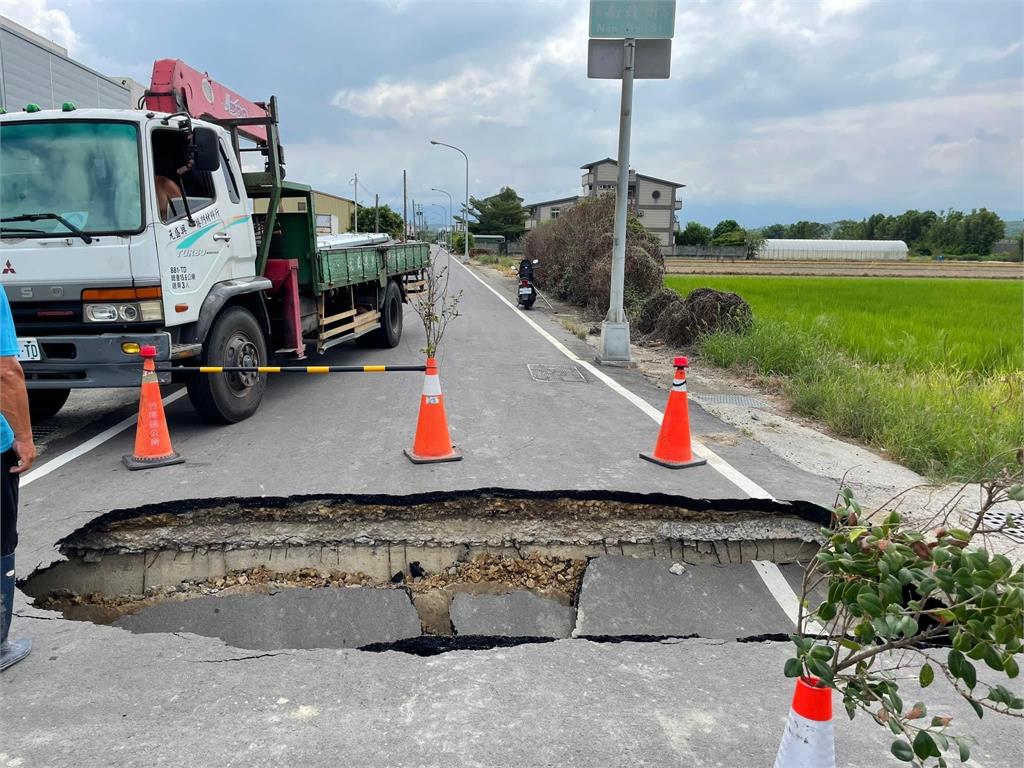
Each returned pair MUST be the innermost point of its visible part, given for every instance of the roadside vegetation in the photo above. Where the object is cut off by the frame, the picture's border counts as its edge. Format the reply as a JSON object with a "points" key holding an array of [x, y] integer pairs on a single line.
{"points": [[948, 234], [931, 371]]}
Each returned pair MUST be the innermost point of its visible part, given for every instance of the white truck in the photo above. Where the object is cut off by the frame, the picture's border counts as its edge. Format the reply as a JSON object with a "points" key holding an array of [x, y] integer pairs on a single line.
{"points": [[123, 228]]}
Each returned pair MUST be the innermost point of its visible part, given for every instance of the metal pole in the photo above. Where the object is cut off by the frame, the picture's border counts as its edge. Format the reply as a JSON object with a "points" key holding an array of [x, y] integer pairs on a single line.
{"points": [[465, 220], [355, 189], [405, 211], [451, 219], [615, 328], [414, 218], [376, 213]]}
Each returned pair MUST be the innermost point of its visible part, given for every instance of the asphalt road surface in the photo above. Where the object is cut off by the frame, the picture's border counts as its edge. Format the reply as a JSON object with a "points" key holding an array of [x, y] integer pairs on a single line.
{"points": [[101, 696]]}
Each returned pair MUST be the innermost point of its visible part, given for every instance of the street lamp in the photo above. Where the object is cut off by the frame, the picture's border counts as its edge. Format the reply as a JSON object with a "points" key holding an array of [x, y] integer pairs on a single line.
{"points": [[451, 219], [465, 256], [438, 205]]}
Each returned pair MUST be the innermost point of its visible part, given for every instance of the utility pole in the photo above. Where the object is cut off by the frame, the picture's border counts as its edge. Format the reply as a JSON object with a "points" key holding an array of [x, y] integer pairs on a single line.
{"points": [[355, 190], [414, 218], [405, 213], [376, 213]]}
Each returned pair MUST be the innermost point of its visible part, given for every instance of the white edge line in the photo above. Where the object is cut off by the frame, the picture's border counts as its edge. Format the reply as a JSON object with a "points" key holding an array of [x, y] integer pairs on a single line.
{"points": [[784, 594], [724, 468], [93, 442]]}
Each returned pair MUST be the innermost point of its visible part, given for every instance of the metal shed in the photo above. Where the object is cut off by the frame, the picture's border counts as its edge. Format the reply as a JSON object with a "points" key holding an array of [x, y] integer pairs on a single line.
{"points": [[34, 70], [834, 250]]}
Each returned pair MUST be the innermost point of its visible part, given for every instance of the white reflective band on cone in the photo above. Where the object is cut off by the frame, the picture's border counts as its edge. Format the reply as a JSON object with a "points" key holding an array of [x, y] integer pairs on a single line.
{"points": [[806, 744], [431, 384]]}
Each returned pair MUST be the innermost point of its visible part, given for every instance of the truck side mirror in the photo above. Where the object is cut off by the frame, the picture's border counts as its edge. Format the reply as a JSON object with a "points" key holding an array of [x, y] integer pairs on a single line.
{"points": [[205, 150]]}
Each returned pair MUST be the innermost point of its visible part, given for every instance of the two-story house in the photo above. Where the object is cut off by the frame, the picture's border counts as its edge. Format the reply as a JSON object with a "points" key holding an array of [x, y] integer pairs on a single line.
{"points": [[650, 199]]}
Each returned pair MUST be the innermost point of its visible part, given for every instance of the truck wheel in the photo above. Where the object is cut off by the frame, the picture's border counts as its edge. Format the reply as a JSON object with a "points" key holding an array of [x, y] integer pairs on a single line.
{"points": [[45, 403], [390, 331], [236, 339]]}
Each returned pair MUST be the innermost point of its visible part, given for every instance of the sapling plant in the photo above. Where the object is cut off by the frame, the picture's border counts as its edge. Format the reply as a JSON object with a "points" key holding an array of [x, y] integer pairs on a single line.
{"points": [[903, 602], [435, 306]]}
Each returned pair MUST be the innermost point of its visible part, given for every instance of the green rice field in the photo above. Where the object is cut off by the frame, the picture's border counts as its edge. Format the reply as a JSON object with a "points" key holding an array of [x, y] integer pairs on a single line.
{"points": [[930, 370]]}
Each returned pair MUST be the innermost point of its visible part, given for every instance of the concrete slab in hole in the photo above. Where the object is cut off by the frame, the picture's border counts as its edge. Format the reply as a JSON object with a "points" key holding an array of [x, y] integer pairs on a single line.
{"points": [[291, 618], [623, 596], [515, 614]]}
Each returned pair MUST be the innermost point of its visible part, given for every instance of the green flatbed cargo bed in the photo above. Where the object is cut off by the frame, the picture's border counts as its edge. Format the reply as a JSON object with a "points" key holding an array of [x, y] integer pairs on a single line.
{"points": [[341, 267]]}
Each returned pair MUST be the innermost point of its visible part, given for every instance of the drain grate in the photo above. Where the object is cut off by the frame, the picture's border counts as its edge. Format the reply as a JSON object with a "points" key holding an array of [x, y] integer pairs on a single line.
{"points": [[744, 400], [39, 431], [994, 518], [556, 373]]}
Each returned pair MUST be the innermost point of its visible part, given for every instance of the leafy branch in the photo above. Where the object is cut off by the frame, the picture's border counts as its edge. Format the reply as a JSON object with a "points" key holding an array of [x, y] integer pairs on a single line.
{"points": [[899, 599]]}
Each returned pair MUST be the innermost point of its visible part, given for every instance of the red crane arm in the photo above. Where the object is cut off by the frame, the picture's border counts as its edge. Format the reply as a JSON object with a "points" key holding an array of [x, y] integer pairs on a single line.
{"points": [[177, 87]]}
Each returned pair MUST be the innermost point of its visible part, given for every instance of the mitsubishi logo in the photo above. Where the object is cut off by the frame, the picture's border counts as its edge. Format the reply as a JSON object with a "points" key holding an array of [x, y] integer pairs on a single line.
{"points": [[8, 269]]}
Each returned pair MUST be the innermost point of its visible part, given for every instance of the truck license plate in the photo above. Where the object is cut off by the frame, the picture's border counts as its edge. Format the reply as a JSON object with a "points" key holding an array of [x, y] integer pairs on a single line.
{"points": [[28, 349]]}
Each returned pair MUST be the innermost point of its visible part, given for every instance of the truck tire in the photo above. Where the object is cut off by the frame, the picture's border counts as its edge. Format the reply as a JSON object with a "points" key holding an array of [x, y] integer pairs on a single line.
{"points": [[390, 331], [45, 403], [235, 339]]}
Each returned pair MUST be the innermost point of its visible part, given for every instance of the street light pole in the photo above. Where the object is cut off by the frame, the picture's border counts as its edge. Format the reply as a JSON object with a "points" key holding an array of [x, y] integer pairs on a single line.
{"points": [[465, 256], [451, 219]]}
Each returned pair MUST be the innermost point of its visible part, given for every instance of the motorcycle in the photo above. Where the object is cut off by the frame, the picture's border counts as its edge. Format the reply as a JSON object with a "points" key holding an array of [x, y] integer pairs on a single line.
{"points": [[526, 294]]}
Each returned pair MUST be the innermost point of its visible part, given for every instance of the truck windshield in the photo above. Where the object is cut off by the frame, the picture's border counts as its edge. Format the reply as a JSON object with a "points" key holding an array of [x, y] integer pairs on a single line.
{"points": [[86, 172]]}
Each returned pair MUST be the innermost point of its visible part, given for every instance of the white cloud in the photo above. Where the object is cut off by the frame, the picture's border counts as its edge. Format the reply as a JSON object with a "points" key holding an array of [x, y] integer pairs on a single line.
{"points": [[502, 90], [887, 153], [48, 22]]}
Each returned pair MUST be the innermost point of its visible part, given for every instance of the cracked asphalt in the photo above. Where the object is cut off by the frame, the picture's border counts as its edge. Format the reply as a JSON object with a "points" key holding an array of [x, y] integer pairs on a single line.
{"points": [[94, 695]]}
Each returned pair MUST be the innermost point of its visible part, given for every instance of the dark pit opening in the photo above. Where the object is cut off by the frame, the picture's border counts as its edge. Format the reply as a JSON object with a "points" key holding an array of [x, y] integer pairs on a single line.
{"points": [[423, 573]]}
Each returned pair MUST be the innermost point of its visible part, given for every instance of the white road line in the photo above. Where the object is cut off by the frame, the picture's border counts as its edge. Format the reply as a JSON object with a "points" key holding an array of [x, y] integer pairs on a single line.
{"points": [[715, 461], [783, 594], [93, 442]]}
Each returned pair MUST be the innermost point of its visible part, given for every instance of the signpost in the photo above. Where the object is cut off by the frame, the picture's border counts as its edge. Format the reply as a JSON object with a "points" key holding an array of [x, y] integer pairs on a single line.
{"points": [[624, 21]]}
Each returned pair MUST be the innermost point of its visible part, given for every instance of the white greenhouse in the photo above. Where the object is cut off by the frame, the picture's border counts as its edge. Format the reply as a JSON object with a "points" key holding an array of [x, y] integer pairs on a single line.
{"points": [[834, 250]]}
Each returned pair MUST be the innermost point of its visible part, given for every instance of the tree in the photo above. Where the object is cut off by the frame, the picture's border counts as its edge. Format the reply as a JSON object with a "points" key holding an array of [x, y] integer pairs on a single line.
{"points": [[981, 230], [458, 244], [695, 233], [806, 230], [390, 221], [898, 597], [500, 214], [722, 227], [754, 241], [732, 237], [774, 231], [848, 229]]}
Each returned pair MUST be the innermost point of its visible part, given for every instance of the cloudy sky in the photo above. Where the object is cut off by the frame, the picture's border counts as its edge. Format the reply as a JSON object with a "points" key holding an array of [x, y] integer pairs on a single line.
{"points": [[775, 110]]}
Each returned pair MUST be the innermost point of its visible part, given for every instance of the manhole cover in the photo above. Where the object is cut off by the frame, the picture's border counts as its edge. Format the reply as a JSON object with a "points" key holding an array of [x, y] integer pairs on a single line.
{"points": [[743, 400], [994, 518], [556, 373]]}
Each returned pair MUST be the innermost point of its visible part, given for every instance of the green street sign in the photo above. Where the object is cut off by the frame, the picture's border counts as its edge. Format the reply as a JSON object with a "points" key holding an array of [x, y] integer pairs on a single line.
{"points": [[632, 18]]}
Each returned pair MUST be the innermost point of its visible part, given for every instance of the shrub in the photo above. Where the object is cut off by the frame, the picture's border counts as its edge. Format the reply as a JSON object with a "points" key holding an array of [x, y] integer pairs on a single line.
{"points": [[575, 256]]}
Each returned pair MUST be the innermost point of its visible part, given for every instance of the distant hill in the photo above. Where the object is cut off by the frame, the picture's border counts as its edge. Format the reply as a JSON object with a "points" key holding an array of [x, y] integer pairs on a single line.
{"points": [[1014, 228]]}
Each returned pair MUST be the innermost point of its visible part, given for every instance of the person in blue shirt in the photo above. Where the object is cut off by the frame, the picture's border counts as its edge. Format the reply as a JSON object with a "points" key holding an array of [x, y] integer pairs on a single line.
{"points": [[17, 452]]}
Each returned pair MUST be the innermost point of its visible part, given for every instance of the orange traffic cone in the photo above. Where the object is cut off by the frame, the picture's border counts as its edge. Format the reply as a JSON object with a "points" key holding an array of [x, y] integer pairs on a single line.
{"points": [[808, 741], [152, 441], [432, 442], [673, 447]]}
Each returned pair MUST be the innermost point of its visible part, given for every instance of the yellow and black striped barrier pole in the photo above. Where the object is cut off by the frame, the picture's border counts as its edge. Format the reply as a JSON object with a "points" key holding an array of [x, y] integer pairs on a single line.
{"points": [[303, 368]]}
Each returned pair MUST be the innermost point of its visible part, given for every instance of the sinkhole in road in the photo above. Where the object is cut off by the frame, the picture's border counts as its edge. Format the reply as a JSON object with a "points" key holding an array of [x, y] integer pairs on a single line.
{"points": [[422, 573]]}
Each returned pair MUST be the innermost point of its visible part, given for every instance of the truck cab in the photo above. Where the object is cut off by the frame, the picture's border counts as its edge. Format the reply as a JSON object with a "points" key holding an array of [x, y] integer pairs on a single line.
{"points": [[104, 247]]}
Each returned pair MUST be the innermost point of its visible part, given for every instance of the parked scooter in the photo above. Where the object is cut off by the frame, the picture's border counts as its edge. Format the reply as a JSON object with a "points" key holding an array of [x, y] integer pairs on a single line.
{"points": [[527, 294]]}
